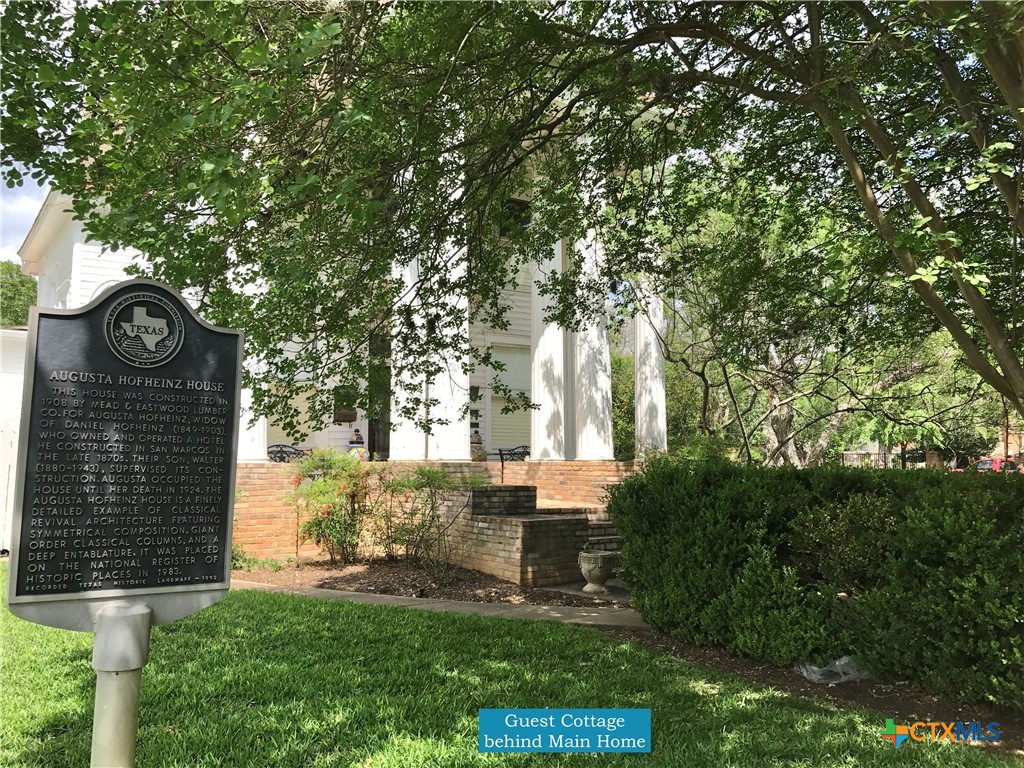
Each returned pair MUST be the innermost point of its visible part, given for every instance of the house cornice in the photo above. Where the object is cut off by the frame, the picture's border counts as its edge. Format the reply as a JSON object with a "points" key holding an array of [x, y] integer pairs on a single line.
{"points": [[50, 224]]}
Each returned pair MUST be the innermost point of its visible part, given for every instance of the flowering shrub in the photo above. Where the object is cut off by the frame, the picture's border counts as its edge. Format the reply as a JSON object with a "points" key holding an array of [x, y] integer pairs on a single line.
{"points": [[331, 494]]}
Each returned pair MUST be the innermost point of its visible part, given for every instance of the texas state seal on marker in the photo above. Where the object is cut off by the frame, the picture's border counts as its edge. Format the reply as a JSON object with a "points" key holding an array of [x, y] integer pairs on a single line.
{"points": [[144, 330]]}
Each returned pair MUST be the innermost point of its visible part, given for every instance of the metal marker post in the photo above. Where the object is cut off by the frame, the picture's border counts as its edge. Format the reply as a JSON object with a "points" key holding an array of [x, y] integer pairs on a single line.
{"points": [[119, 652]]}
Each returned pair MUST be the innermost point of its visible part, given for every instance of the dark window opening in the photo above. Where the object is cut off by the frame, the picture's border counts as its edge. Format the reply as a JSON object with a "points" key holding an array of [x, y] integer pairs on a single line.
{"points": [[345, 401], [515, 217]]}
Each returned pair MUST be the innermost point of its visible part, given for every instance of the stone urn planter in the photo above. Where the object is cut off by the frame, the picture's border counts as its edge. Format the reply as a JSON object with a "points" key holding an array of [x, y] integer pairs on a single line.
{"points": [[597, 567]]}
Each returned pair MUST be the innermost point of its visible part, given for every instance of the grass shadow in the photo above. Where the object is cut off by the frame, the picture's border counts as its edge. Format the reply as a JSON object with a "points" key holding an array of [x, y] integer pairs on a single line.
{"points": [[276, 680]]}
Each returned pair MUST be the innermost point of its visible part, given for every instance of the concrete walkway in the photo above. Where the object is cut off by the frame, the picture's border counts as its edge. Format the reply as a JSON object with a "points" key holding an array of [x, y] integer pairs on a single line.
{"points": [[596, 617]]}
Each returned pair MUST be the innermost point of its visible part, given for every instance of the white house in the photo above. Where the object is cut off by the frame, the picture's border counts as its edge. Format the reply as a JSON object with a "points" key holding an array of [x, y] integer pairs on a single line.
{"points": [[566, 374], [12, 366]]}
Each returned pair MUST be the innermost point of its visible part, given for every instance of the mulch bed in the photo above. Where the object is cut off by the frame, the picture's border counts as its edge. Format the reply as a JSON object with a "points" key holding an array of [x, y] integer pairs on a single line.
{"points": [[902, 702], [385, 577]]}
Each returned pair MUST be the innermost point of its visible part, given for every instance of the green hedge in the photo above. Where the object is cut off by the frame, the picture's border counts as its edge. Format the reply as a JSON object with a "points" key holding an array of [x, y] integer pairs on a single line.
{"points": [[919, 575]]}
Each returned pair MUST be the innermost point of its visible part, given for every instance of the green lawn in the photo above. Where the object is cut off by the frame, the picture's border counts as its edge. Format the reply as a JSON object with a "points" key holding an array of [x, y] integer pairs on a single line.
{"points": [[275, 680]]}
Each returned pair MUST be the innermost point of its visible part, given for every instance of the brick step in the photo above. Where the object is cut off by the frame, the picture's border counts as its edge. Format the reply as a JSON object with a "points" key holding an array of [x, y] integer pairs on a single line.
{"points": [[564, 511], [561, 512], [594, 512], [605, 543], [602, 528]]}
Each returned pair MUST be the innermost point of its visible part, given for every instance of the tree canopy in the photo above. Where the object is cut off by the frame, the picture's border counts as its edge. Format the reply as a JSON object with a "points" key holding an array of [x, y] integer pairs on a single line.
{"points": [[17, 294], [289, 160]]}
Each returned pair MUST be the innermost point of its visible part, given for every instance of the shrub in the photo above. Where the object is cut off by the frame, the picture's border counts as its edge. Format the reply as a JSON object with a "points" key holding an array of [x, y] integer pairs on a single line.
{"points": [[662, 546], [773, 618], [409, 517], [338, 498], [949, 612], [241, 561], [916, 573], [331, 497], [838, 543], [428, 540]]}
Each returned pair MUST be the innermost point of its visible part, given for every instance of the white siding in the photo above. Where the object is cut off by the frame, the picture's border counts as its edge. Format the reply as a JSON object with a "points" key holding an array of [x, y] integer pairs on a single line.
{"points": [[497, 429], [55, 270], [276, 434], [338, 434], [82, 269], [94, 269], [8, 474], [12, 362], [508, 430], [516, 375], [332, 436], [518, 300]]}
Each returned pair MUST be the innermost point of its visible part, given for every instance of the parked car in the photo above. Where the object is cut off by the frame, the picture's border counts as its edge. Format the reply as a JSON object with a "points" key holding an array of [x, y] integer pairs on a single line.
{"points": [[994, 464]]}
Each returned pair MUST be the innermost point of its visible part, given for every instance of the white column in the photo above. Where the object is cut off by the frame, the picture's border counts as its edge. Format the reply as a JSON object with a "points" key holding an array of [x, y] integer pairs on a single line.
{"points": [[547, 366], [569, 394], [649, 370], [594, 393], [252, 438], [408, 441], [593, 379], [449, 442], [449, 416]]}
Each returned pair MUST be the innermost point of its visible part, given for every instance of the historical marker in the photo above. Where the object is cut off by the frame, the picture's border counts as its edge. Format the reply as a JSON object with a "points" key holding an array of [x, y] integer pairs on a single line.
{"points": [[128, 449], [127, 455]]}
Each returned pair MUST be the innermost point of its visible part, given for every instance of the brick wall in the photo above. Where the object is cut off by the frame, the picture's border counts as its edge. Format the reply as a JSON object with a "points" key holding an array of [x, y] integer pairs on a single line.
{"points": [[264, 516], [576, 481], [496, 529], [504, 500], [507, 537]]}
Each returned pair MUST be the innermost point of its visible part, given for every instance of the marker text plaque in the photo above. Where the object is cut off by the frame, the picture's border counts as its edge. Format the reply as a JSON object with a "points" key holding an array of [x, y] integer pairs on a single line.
{"points": [[127, 451]]}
